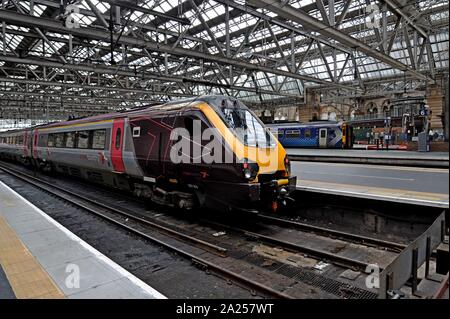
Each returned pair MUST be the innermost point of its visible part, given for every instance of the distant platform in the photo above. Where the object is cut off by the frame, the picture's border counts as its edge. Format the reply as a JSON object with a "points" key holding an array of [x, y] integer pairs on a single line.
{"points": [[410, 185], [380, 157], [377, 193], [40, 258]]}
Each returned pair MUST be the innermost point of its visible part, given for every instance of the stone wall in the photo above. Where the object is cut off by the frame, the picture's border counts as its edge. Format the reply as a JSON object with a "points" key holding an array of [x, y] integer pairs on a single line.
{"points": [[435, 100], [310, 110]]}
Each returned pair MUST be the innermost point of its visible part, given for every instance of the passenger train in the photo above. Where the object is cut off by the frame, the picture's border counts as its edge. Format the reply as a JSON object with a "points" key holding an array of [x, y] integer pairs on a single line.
{"points": [[135, 150], [321, 134]]}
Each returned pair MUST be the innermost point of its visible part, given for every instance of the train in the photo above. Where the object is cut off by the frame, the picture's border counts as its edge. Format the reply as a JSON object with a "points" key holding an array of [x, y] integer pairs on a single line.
{"points": [[320, 134], [208, 151]]}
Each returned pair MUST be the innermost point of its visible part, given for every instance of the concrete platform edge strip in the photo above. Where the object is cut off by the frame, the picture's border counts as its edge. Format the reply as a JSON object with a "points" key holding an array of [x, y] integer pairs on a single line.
{"points": [[397, 199], [142, 285], [371, 160]]}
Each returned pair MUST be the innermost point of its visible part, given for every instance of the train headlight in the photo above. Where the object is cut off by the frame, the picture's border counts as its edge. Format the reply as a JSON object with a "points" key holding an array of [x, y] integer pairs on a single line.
{"points": [[249, 169], [287, 165]]}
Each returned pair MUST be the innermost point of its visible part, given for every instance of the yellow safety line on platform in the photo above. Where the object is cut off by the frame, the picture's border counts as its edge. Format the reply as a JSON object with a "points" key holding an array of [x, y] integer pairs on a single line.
{"points": [[25, 275]]}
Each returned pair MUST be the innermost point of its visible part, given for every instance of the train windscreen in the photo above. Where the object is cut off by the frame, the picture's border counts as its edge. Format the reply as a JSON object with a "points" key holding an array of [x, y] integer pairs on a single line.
{"points": [[247, 127]]}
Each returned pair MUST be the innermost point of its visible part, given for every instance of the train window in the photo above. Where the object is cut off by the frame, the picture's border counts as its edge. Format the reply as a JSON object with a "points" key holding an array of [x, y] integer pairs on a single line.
{"points": [[83, 139], [189, 125], [98, 139], [51, 140], [280, 133], [59, 140], [70, 139], [136, 131], [292, 133], [308, 132], [247, 127], [20, 140], [323, 133], [118, 133]]}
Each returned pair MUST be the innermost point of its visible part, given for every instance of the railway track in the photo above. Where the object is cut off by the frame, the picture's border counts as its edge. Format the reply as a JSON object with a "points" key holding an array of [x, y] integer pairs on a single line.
{"points": [[354, 238], [93, 206], [285, 222], [315, 253], [89, 204]]}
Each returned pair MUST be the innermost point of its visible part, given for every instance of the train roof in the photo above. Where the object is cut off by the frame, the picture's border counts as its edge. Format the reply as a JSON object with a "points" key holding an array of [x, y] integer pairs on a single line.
{"points": [[213, 100]]}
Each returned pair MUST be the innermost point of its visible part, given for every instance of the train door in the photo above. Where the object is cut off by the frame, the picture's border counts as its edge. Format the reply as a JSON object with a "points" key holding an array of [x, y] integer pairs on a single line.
{"points": [[117, 138], [347, 136], [35, 144], [350, 137], [25, 144], [323, 136]]}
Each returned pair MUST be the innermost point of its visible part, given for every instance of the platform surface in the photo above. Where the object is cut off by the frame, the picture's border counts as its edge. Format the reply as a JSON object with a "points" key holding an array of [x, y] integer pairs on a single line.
{"points": [[40, 258], [412, 185], [394, 154]]}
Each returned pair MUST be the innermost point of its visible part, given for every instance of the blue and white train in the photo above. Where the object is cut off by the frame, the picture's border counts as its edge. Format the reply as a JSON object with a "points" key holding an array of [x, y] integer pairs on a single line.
{"points": [[320, 134]]}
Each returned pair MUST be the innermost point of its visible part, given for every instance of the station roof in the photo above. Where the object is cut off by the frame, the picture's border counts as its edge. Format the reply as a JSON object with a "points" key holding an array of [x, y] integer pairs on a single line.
{"points": [[260, 51]]}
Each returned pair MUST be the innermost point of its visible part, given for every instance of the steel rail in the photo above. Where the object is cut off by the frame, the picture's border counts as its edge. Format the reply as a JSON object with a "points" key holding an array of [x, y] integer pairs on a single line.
{"points": [[198, 242], [328, 232], [195, 259], [359, 239], [311, 252]]}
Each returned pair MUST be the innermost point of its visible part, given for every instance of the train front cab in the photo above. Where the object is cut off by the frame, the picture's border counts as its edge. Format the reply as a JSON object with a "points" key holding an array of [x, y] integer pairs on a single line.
{"points": [[347, 135], [266, 180]]}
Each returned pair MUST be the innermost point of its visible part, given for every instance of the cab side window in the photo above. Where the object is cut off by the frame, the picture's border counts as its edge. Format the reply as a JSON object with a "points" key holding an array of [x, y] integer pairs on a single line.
{"points": [[189, 125]]}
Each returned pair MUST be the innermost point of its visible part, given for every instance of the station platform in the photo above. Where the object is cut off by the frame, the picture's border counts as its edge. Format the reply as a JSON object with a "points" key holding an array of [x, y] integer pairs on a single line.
{"points": [[409, 185], [40, 258], [376, 193], [376, 157]]}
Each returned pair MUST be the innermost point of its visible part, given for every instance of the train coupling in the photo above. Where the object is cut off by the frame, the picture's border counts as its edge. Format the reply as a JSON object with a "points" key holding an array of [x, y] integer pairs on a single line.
{"points": [[282, 188]]}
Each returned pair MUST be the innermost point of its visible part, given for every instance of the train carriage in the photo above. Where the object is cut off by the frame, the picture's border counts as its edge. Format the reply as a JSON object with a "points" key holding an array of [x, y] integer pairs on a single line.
{"points": [[135, 150], [322, 134], [14, 145]]}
